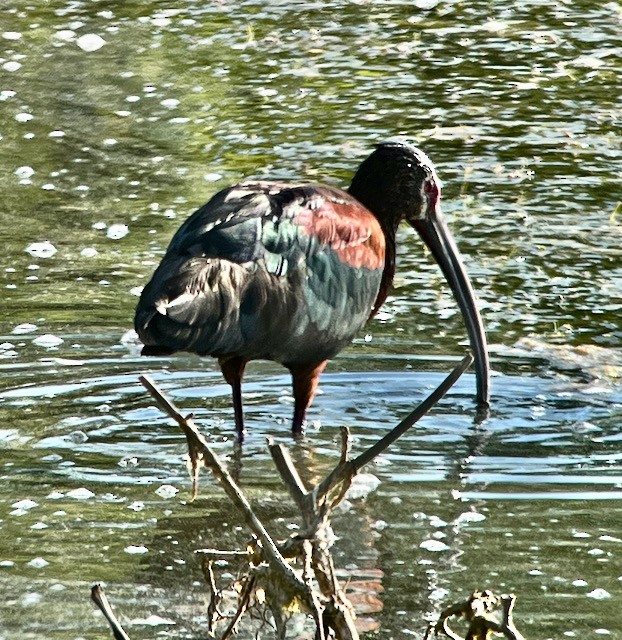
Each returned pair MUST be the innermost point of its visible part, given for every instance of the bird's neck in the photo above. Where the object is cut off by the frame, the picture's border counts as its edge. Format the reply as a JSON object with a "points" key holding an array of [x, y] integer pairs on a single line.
{"points": [[370, 190], [389, 270]]}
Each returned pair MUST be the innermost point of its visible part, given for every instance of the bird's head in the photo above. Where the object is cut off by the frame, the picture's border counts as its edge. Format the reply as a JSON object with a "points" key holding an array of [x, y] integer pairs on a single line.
{"points": [[398, 182]]}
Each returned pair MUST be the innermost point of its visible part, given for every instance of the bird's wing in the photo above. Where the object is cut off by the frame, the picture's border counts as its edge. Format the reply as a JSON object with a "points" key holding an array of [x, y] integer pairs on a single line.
{"points": [[226, 227], [317, 218], [257, 256], [240, 223]]}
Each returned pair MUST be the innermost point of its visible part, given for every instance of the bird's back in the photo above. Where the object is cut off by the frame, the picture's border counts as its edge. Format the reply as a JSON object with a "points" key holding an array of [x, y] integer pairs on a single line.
{"points": [[266, 270]]}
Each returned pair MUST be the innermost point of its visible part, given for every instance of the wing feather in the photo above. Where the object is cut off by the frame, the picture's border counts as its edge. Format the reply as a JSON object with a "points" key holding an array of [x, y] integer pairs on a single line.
{"points": [[266, 270]]}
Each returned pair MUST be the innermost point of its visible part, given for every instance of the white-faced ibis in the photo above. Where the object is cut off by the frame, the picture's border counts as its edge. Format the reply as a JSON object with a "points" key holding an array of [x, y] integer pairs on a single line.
{"points": [[291, 272]]}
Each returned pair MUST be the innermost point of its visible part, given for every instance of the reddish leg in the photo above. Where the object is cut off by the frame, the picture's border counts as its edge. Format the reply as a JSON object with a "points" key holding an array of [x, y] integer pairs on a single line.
{"points": [[233, 370], [305, 381]]}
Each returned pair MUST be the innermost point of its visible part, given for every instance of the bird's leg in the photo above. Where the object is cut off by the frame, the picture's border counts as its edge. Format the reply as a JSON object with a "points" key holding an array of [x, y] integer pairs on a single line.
{"points": [[305, 381], [233, 370]]}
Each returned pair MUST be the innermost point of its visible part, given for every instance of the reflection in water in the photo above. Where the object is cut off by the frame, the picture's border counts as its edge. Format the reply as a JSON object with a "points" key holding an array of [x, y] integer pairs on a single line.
{"points": [[103, 151]]}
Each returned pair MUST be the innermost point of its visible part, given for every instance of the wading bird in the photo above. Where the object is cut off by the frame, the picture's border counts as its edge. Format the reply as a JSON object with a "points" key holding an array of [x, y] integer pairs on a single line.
{"points": [[291, 272]]}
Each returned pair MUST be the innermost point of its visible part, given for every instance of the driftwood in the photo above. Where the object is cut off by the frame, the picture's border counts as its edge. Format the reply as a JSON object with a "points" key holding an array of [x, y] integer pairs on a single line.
{"points": [[297, 574], [479, 610]]}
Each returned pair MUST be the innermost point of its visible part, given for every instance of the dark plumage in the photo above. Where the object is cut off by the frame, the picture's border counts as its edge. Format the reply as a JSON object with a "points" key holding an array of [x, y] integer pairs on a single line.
{"points": [[290, 273]]}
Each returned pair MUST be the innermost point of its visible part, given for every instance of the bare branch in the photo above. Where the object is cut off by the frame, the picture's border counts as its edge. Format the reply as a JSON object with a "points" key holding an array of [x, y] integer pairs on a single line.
{"points": [[218, 553], [187, 426], [99, 598], [346, 469], [198, 444], [288, 472], [269, 565], [244, 603], [317, 607], [507, 602], [414, 416], [346, 444], [213, 612]]}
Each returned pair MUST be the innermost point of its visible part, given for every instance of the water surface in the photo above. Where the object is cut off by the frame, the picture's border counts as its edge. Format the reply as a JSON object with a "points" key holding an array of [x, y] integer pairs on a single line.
{"points": [[105, 146]]}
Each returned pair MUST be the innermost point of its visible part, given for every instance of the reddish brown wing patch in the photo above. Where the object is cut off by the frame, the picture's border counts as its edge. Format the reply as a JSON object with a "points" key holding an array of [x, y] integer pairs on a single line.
{"points": [[346, 226]]}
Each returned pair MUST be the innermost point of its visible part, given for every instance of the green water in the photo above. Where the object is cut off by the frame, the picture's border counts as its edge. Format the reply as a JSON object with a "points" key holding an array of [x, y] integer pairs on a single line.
{"points": [[104, 152]]}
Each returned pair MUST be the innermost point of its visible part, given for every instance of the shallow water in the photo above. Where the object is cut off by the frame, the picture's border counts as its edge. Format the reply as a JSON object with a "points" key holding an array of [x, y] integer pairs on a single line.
{"points": [[103, 152]]}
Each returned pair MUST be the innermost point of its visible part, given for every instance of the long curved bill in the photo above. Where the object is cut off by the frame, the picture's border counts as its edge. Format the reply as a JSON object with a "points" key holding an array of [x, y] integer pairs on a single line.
{"points": [[435, 233]]}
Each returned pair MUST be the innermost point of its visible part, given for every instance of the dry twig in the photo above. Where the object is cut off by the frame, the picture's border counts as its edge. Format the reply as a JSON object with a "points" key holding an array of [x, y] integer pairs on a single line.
{"points": [[479, 612]]}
